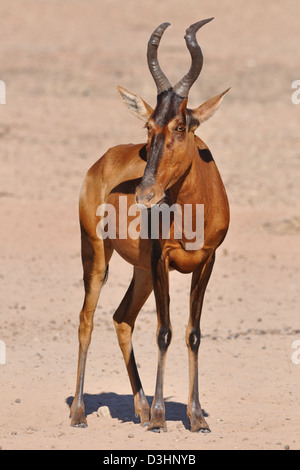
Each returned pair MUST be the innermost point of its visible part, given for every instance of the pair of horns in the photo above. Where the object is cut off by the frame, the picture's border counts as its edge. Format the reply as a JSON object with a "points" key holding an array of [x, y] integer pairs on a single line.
{"points": [[183, 86]]}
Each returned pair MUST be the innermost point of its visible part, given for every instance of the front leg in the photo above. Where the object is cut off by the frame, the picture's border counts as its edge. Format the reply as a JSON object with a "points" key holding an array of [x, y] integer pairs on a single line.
{"points": [[199, 283], [160, 277]]}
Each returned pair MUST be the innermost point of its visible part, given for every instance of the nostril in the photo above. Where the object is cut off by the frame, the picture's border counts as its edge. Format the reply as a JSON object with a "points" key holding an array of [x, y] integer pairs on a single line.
{"points": [[149, 196], [142, 198]]}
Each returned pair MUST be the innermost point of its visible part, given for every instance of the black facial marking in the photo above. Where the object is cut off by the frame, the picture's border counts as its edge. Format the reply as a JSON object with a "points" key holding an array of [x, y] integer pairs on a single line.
{"points": [[192, 122], [167, 107], [155, 153]]}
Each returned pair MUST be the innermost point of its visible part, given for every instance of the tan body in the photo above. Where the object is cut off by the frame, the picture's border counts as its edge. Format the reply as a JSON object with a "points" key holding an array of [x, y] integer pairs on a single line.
{"points": [[174, 166], [127, 168]]}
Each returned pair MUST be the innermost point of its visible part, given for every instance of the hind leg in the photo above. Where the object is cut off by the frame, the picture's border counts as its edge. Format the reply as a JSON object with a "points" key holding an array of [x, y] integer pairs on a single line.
{"points": [[95, 257], [124, 319]]}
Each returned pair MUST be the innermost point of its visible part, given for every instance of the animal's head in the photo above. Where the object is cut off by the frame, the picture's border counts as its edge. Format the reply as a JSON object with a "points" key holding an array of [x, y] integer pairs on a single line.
{"points": [[171, 125]]}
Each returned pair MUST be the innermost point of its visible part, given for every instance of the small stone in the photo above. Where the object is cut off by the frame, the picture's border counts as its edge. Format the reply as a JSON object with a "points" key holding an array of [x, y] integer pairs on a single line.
{"points": [[131, 435], [17, 400], [287, 447], [103, 411]]}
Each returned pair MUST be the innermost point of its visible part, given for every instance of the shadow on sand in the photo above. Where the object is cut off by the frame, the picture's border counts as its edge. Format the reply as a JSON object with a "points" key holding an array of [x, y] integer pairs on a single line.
{"points": [[122, 407]]}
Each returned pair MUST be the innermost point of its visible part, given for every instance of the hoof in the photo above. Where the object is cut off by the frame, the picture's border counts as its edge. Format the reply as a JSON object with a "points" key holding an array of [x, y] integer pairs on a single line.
{"points": [[204, 430], [197, 421], [200, 427], [145, 425], [142, 410], [144, 418], [158, 420], [78, 418], [157, 426], [79, 425], [157, 429]]}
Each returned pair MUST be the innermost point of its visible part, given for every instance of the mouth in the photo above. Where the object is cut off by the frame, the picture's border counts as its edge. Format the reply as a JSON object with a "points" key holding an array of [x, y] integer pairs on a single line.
{"points": [[151, 202], [161, 201], [151, 199], [150, 205]]}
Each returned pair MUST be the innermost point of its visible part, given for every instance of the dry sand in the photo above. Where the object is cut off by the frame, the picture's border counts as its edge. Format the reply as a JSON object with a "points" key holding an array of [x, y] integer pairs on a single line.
{"points": [[61, 62]]}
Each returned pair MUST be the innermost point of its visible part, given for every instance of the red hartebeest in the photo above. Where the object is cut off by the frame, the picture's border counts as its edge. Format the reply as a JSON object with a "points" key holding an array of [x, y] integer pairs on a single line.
{"points": [[173, 166]]}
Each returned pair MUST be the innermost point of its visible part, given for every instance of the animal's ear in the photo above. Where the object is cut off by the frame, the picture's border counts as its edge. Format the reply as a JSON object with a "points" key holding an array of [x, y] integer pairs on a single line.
{"points": [[135, 104], [207, 109]]}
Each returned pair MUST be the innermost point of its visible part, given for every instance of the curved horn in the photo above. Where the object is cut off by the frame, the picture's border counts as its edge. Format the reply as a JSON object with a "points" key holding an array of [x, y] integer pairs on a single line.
{"points": [[183, 87], [160, 79]]}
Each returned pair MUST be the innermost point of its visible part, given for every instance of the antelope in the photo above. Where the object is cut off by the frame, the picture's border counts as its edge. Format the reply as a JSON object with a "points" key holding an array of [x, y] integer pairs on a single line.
{"points": [[173, 165]]}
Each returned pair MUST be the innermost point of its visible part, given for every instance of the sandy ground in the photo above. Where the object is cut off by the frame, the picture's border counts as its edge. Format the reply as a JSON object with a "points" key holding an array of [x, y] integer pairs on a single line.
{"points": [[61, 62]]}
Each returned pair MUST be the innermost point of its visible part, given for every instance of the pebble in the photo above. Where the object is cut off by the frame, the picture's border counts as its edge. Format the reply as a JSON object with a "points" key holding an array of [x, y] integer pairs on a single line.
{"points": [[287, 447], [103, 411]]}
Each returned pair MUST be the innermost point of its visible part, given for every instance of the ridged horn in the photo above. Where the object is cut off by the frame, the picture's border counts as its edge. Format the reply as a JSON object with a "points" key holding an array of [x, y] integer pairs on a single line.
{"points": [[161, 81], [184, 85]]}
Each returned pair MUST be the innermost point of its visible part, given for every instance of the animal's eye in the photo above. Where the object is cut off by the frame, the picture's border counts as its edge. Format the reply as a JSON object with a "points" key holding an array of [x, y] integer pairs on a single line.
{"points": [[180, 129]]}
